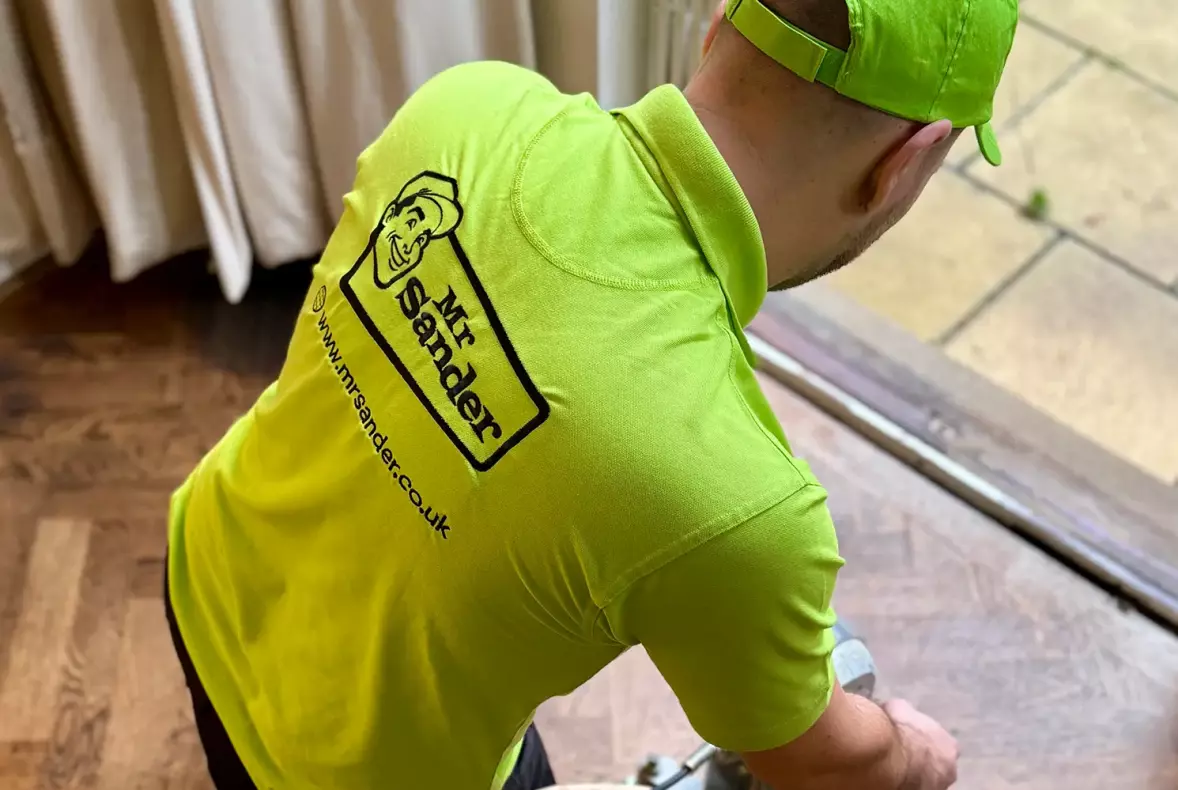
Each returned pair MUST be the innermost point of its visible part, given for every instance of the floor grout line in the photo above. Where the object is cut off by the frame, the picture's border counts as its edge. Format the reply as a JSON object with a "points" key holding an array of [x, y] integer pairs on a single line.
{"points": [[1112, 62], [1072, 235], [983, 304]]}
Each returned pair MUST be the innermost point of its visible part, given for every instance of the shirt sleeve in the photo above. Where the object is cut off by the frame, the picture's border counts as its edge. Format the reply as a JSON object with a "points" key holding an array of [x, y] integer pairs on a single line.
{"points": [[740, 627]]}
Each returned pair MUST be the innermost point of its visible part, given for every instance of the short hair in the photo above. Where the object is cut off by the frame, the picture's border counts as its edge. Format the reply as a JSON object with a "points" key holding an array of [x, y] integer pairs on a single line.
{"points": [[827, 20]]}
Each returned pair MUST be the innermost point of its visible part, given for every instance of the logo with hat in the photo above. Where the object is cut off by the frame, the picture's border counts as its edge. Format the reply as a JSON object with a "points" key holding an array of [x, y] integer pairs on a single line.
{"points": [[426, 209], [417, 294]]}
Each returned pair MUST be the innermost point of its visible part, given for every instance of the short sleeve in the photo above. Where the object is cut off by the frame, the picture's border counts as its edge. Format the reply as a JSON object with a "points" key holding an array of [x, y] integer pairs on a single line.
{"points": [[740, 627]]}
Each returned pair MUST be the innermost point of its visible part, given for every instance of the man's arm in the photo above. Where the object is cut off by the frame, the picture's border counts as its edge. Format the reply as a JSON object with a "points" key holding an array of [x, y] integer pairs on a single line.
{"points": [[740, 627], [858, 744]]}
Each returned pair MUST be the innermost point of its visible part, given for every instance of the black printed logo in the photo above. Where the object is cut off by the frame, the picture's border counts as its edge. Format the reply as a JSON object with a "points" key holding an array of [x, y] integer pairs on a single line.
{"points": [[416, 293]]}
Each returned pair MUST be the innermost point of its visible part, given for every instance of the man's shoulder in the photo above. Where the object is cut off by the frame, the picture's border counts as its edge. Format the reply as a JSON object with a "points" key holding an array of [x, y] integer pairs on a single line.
{"points": [[481, 73], [481, 90], [477, 118]]}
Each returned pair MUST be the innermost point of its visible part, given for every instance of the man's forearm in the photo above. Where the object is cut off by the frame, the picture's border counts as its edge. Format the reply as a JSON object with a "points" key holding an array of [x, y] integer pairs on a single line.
{"points": [[865, 751], [882, 761]]}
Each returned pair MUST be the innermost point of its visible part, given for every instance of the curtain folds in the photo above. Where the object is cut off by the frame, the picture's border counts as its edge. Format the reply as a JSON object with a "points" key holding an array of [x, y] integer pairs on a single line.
{"points": [[172, 125]]}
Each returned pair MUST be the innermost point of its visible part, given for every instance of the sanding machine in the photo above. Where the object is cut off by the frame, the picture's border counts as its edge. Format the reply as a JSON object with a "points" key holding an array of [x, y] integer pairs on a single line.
{"points": [[855, 670]]}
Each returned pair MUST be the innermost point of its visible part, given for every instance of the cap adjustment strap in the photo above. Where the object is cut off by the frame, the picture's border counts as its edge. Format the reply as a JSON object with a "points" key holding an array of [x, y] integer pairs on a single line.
{"points": [[790, 46]]}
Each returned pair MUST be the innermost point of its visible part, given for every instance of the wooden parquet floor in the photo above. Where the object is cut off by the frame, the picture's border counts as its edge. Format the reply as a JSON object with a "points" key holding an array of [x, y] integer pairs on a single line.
{"points": [[110, 394]]}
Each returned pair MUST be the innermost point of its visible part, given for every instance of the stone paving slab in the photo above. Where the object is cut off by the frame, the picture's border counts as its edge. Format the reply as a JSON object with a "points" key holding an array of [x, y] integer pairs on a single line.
{"points": [[1037, 64], [1141, 34], [954, 249], [1092, 345], [1104, 148]]}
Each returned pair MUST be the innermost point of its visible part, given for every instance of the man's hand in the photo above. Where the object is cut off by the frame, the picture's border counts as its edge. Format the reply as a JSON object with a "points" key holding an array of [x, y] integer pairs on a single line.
{"points": [[858, 745], [931, 751]]}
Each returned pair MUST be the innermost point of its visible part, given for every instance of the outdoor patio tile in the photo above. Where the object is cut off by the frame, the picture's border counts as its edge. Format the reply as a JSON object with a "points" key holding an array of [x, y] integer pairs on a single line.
{"points": [[1091, 345], [1104, 149], [957, 245]]}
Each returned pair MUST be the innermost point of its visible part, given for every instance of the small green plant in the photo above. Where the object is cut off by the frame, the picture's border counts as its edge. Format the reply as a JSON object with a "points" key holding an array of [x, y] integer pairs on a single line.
{"points": [[1037, 206]]}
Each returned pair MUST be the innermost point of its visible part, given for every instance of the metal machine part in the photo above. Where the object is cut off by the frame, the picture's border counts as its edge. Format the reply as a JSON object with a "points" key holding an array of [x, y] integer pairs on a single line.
{"points": [[853, 667], [728, 772], [663, 772]]}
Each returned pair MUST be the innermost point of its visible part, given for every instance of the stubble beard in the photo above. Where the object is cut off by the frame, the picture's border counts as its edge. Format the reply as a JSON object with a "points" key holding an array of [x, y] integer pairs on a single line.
{"points": [[854, 246]]}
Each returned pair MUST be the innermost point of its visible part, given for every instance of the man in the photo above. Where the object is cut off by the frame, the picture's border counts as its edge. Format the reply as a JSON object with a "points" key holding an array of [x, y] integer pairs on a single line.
{"points": [[518, 429]]}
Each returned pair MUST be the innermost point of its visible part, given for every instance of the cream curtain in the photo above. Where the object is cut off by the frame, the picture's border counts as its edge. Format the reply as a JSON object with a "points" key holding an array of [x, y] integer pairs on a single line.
{"points": [[172, 125], [44, 206]]}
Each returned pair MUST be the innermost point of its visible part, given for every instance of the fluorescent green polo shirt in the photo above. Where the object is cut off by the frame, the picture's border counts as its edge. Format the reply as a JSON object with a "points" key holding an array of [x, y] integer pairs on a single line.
{"points": [[517, 431]]}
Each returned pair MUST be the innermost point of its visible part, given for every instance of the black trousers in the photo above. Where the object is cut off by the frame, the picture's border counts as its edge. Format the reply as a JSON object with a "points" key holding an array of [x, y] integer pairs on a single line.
{"points": [[532, 771]]}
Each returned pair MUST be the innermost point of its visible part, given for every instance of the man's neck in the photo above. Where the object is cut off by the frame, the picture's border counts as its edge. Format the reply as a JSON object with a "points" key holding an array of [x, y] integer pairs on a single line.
{"points": [[778, 176]]}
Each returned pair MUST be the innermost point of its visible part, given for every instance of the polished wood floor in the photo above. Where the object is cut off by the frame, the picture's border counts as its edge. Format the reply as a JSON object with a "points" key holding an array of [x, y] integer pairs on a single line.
{"points": [[109, 395]]}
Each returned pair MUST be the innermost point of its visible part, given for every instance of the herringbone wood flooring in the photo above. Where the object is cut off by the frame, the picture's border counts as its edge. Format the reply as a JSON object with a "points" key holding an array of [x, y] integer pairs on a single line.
{"points": [[109, 395]]}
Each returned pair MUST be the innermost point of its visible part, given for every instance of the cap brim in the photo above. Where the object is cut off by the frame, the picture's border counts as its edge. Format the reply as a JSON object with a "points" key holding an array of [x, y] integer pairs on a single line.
{"points": [[988, 142]]}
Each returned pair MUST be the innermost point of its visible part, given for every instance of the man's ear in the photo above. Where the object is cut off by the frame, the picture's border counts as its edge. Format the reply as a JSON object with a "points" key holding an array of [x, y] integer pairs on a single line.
{"points": [[913, 153], [714, 27]]}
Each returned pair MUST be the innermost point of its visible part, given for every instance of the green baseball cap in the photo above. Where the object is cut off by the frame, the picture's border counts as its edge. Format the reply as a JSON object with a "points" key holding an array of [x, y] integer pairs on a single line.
{"points": [[923, 60]]}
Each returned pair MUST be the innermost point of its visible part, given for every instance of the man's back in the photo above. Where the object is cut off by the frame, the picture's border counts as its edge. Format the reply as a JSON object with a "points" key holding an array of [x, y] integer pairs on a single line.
{"points": [[517, 431]]}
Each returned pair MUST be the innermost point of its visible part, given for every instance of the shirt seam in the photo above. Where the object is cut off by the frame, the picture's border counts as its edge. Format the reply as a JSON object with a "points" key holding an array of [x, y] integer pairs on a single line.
{"points": [[672, 552], [738, 353], [563, 262], [664, 557]]}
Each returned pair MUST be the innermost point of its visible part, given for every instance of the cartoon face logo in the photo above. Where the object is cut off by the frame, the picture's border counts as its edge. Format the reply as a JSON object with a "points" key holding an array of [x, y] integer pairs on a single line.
{"points": [[426, 209], [426, 309]]}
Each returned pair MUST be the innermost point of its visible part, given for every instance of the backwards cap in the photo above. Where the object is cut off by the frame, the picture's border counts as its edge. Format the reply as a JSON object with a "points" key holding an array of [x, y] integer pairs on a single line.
{"points": [[923, 60]]}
